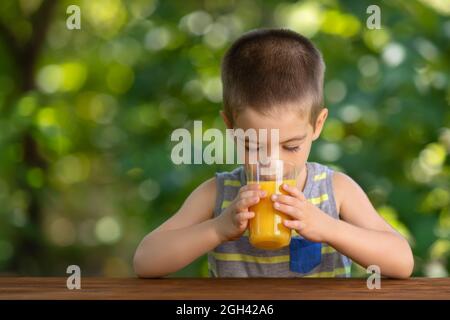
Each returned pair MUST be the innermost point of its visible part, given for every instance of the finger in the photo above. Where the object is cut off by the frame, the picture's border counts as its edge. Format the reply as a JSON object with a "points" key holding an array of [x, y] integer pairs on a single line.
{"points": [[243, 216], [243, 204], [289, 210], [294, 191], [294, 224], [289, 200], [251, 186], [253, 193]]}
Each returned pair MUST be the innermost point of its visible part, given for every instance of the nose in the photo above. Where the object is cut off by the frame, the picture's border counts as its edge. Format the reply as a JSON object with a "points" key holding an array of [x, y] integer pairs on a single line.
{"points": [[268, 154]]}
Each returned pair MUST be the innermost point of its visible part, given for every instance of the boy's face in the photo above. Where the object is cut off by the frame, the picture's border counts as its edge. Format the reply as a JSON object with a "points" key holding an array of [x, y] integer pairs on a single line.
{"points": [[296, 133]]}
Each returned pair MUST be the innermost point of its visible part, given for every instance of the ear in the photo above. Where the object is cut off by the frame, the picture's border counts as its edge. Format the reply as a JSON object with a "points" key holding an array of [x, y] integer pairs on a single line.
{"points": [[320, 121], [226, 120]]}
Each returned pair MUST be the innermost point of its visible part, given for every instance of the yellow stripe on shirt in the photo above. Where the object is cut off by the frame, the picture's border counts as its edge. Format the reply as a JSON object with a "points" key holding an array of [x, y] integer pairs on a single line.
{"points": [[225, 203], [321, 176], [249, 258], [233, 183], [320, 199], [330, 274], [278, 259], [327, 249]]}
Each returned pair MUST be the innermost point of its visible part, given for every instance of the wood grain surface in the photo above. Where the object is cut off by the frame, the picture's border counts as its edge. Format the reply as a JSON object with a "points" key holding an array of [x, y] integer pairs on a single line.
{"points": [[225, 288]]}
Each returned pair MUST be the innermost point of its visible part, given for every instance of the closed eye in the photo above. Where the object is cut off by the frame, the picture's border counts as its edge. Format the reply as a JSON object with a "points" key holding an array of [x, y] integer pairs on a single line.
{"points": [[292, 149]]}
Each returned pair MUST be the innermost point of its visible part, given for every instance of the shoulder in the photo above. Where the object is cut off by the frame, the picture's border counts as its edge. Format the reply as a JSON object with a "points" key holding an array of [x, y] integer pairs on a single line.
{"points": [[235, 177], [207, 189], [319, 171], [198, 207], [344, 187], [202, 199], [338, 182], [204, 196], [214, 188]]}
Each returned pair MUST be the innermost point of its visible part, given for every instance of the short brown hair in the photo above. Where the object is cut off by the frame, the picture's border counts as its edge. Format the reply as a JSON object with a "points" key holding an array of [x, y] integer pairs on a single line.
{"points": [[268, 67]]}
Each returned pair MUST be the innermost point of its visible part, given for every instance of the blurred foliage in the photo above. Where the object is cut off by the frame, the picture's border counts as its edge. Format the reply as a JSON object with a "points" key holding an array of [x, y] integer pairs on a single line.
{"points": [[86, 117]]}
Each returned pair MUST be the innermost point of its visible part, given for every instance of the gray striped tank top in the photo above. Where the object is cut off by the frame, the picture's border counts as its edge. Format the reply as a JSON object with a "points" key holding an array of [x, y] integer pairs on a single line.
{"points": [[302, 258]]}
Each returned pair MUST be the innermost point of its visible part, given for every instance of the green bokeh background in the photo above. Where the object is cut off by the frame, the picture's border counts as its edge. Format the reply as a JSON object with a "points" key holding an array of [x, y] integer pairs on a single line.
{"points": [[86, 117]]}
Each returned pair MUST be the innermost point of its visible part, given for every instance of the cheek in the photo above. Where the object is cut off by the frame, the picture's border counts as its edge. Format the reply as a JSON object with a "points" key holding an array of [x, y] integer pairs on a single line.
{"points": [[306, 148]]}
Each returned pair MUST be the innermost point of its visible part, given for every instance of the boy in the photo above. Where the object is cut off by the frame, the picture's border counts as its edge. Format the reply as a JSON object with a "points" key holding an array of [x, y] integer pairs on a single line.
{"points": [[273, 79]]}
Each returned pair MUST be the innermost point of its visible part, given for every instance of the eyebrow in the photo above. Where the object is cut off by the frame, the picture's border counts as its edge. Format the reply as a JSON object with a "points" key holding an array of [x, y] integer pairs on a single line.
{"points": [[296, 138]]}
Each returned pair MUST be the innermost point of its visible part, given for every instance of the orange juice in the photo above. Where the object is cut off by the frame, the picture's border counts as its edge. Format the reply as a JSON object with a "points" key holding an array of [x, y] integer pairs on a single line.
{"points": [[266, 228]]}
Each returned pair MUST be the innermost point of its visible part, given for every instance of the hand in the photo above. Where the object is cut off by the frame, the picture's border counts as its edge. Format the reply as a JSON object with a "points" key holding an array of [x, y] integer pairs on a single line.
{"points": [[233, 222], [309, 221]]}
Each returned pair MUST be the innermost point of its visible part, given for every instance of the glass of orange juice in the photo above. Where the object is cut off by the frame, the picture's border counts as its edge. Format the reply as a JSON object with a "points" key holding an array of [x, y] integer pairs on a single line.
{"points": [[266, 229]]}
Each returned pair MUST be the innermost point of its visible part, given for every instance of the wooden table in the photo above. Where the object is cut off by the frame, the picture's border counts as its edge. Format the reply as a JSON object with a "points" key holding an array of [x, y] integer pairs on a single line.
{"points": [[223, 289]]}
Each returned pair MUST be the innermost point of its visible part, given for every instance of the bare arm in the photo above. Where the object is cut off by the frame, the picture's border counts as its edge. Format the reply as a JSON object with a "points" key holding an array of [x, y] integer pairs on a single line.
{"points": [[187, 235], [192, 231], [364, 236], [361, 234]]}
